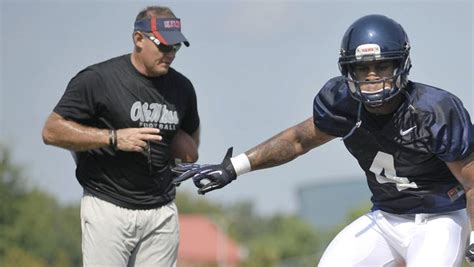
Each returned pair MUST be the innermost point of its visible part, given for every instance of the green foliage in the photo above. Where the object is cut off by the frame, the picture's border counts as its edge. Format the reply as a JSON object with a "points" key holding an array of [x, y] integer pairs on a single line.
{"points": [[328, 234], [187, 204], [11, 189], [15, 256], [35, 229], [268, 240], [281, 238], [357, 211]]}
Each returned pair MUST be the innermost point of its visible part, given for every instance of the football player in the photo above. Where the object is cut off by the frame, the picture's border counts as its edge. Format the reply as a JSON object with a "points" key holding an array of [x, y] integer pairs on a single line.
{"points": [[414, 142]]}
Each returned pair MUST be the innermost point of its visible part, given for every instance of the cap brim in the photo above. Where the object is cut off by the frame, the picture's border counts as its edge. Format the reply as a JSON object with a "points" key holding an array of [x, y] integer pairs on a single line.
{"points": [[173, 37]]}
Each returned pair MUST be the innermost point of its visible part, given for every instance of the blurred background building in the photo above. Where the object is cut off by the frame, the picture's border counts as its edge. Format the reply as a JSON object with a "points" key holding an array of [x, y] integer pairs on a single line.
{"points": [[325, 204], [204, 243]]}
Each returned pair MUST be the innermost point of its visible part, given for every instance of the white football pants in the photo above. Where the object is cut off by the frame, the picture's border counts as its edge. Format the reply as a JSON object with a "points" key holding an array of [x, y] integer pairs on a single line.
{"points": [[119, 237], [383, 239]]}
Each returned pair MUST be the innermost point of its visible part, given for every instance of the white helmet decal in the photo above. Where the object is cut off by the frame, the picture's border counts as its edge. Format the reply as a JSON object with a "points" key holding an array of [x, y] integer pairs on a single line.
{"points": [[370, 51]]}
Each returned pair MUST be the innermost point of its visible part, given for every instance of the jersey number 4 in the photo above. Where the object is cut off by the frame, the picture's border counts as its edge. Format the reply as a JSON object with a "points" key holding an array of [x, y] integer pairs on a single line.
{"points": [[383, 167]]}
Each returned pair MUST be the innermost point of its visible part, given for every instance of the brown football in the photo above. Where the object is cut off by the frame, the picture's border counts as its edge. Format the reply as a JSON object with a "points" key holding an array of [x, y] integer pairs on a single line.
{"points": [[183, 148]]}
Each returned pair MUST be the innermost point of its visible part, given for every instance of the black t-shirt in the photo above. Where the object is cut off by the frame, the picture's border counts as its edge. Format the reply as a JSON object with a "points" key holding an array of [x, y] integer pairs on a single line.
{"points": [[114, 95], [403, 156]]}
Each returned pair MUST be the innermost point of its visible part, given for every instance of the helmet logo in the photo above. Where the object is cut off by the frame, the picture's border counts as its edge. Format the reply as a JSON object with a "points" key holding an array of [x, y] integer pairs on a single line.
{"points": [[368, 52]]}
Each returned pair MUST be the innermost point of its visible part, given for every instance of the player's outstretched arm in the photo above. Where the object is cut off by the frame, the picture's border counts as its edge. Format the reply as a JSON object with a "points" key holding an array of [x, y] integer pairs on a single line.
{"points": [[278, 150], [287, 145], [464, 172]]}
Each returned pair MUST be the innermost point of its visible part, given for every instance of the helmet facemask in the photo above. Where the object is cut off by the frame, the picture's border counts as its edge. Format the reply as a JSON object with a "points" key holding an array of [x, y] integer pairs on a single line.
{"points": [[391, 85]]}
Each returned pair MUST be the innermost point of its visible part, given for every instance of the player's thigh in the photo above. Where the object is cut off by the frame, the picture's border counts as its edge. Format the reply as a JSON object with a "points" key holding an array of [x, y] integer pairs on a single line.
{"points": [[107, 233], [440, 241], [159, 246], [359, 244]]}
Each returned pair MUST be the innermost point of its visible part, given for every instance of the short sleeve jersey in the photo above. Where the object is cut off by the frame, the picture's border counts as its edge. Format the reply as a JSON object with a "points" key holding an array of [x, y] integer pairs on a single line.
{"points": [[114, 95], [404, 159]]}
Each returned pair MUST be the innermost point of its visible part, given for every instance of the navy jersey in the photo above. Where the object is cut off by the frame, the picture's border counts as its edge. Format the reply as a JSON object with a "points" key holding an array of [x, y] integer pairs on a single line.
{"points": [[114, 95], [403, 157]]}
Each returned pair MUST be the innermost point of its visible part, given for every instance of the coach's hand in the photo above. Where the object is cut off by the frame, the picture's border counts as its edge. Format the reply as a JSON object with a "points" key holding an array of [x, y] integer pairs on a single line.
{"points": [[469, 255], [137, 139], [210, 176]]}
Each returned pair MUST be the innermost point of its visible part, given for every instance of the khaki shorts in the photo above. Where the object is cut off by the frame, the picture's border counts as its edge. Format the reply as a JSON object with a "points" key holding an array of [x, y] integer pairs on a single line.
{"points": [[115, 236]]}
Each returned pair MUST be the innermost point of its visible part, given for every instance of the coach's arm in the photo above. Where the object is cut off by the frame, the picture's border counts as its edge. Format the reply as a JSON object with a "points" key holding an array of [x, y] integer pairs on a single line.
{"points": [[71, 135], [464, 172]]}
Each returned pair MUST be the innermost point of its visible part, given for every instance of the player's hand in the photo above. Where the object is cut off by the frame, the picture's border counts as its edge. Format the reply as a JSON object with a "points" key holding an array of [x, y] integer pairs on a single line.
{"points": [[136, 139], [181, 168], [469, 255], [209, 177]]}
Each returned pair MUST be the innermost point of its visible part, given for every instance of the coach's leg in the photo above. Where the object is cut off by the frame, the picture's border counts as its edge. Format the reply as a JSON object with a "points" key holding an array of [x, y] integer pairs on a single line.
{"points": [[108, 233], [360, 244], [160, 239], [439, 240]]}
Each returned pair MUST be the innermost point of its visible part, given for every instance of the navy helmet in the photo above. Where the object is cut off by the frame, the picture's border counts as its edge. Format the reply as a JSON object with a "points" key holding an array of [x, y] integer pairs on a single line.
{"points": [[374, 38]]}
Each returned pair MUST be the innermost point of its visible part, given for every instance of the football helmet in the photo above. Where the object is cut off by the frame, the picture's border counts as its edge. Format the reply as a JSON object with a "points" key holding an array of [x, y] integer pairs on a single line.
{"points": [[374, 38]]}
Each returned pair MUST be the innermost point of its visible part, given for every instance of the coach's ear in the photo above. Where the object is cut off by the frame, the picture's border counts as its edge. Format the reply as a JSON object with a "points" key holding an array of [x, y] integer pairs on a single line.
{"points": [[138, 40]]}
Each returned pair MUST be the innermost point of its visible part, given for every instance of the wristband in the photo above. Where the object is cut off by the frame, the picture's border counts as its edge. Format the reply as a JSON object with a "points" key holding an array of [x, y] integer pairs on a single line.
{"points": [[241, 164], [113, 139]]}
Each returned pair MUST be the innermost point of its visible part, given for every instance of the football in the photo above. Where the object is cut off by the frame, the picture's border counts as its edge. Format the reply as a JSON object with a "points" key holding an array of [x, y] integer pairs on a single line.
{"points": [[183, 148]]}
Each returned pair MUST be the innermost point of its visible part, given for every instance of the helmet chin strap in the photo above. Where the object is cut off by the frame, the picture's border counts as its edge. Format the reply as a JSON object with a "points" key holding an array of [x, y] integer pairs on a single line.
{"points": [[384, 91], [357, 124]]}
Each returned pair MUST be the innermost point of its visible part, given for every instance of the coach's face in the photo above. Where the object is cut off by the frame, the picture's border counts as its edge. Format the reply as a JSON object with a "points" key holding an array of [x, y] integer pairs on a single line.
{"points": [[372, 72], [155, 61]]}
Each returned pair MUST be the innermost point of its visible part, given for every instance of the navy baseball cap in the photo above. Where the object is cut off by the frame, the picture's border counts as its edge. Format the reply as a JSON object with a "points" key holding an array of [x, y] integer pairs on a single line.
{"points": [[166, 30]]}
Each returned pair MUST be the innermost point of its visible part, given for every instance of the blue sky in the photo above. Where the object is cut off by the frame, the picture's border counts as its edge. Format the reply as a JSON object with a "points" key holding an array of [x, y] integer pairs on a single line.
{"points": [[256, 67]]}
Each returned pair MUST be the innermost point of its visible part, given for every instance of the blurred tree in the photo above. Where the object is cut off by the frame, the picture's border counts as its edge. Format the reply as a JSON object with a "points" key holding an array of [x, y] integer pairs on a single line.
{"points": [[268, 240], [328, 234], [35, 229], [281, 238], [16, 257], [189, 202], [11, 189], [357, 211]]}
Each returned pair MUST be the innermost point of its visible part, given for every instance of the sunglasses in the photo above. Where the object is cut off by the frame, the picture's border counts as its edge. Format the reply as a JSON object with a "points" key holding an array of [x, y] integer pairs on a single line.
{"points": [[162, 47]]}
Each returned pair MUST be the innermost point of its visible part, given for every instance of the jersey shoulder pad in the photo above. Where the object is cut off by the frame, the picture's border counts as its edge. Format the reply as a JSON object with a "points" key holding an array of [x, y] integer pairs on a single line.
{"points": [[334, 110], [449, 124]]}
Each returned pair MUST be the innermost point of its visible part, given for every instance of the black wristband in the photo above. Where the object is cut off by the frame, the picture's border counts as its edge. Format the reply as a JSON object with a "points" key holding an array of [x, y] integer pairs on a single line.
{"points": [[113, 139]]}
